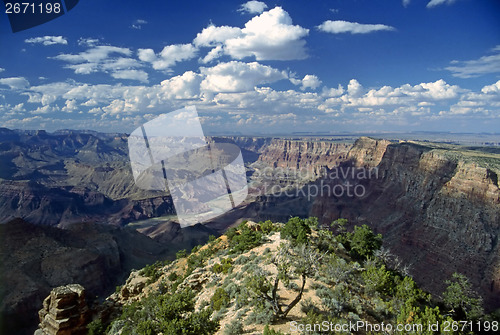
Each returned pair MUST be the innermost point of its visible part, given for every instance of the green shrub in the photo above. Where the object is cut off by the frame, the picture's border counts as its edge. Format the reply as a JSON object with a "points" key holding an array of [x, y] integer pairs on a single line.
{"points": [[296, 230], [146, 327], [168, 314], [462, 299], [173, 276], [224, 266], [377, 279], [234, 328], [267, 226], [181, 254], [362, 242], [270, 331], [152, 271], [96, 327], [243, 238], [261, 315], [220, 299]]}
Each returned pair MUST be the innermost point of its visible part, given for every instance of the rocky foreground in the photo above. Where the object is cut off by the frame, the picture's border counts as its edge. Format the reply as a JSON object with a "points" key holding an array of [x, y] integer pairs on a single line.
{"points": [[272, 278]]}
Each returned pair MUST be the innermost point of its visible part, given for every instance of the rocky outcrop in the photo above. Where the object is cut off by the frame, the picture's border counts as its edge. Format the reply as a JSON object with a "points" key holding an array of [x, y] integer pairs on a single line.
{"points": [[64, 312], [368, 152]]}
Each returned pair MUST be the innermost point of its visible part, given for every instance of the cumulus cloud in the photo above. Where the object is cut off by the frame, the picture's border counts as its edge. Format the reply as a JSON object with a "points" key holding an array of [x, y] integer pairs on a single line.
{"points": [[475, 68], [268, 36], [486, 102], [185, 86], [47, 40], [212, 35], [15, 83], [169, 56], [253, 7], [434, 3], [237, 76], [309, 81], [339, 27]]}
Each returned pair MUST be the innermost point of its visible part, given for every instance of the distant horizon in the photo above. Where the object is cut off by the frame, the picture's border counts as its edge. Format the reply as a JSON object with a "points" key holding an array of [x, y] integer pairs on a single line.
{"points": [[432, 136]]}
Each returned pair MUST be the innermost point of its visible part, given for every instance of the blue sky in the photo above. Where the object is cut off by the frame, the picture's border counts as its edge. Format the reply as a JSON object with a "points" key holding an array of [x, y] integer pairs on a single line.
{"points": [[268, 67]]}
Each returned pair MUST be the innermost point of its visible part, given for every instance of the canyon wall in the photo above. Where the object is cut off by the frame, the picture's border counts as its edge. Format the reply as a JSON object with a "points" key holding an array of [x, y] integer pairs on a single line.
{"points": [[439, 210], [437, 206], [304, 154]]}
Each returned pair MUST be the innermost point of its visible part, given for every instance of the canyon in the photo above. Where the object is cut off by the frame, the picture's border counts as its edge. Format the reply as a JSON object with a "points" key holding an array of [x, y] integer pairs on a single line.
{"points": [[437, 206]]}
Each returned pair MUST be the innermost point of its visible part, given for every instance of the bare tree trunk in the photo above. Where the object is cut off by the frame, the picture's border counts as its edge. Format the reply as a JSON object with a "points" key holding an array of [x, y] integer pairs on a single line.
{"points": [[296, 300], [275, 300]]}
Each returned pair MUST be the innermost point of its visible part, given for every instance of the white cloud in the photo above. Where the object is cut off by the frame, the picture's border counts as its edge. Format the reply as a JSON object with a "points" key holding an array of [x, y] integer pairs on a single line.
{"points": [[70, 106], [253, 7], [90, 42], [15, 83], [46, 109], [332, 92], [120, 63], [268, 36], [434, 3], [338, 27], [486, 102], [19, 108], [354, 88], [475, 68], [94, 55], [104, 58], [212, 35], [131, 74], [137, 24], [309, 81], [236, 76], [213, 54], [406, 3], [47, 40], [169, 56], [185, 86], [2, 69]]}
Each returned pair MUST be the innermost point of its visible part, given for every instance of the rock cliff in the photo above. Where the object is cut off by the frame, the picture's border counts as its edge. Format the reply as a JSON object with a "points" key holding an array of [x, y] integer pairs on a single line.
{"points": [[438, 209], [64, 312], [304, 154]]}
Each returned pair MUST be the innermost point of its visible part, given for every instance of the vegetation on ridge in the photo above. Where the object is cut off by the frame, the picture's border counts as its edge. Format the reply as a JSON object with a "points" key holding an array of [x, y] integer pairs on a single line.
{"points": [[262, 276]]}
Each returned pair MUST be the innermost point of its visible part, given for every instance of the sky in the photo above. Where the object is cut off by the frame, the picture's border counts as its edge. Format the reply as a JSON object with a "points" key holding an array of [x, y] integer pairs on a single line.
{"points": [[258, 67]]}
